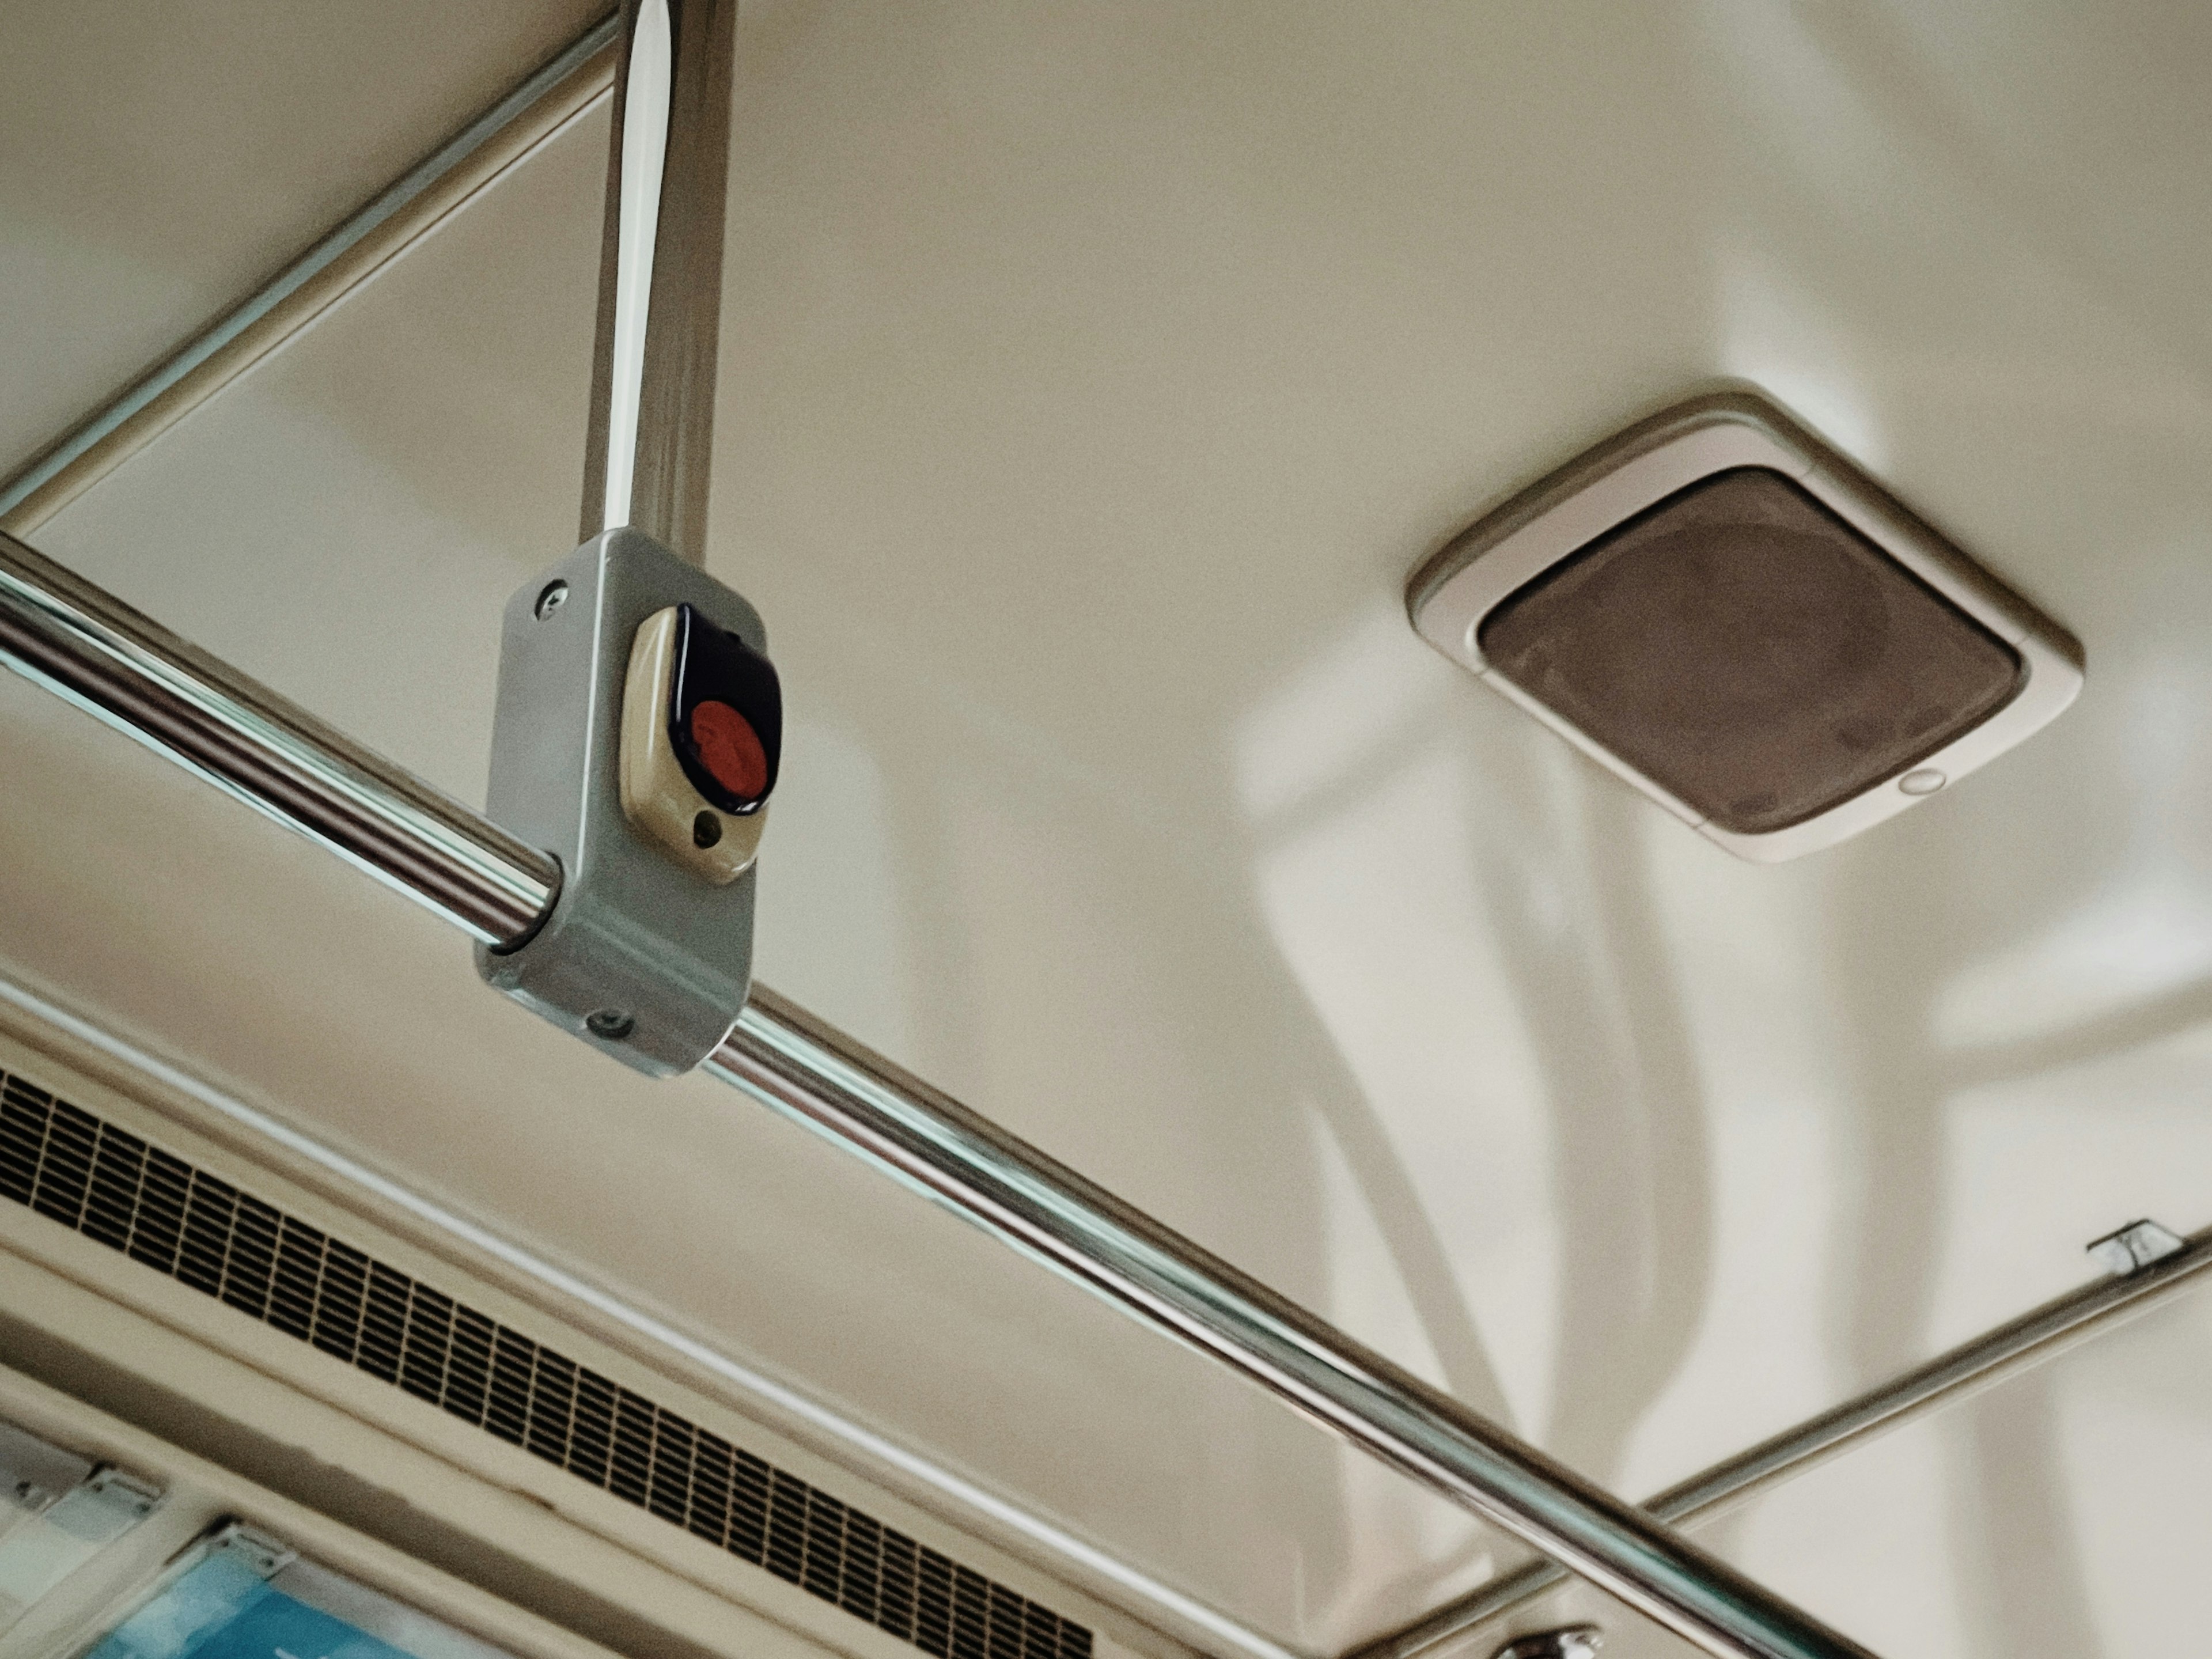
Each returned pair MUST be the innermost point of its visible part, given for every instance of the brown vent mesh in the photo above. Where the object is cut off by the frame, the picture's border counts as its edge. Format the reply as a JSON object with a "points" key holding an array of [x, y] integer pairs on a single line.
{"points": [[1750, 652], [157, 1209]]}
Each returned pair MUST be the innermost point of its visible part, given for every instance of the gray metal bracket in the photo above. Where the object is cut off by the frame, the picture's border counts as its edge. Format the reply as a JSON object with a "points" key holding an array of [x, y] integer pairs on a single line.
{"points": [[1570, 1641], [2135, 1247], [638, 957]]}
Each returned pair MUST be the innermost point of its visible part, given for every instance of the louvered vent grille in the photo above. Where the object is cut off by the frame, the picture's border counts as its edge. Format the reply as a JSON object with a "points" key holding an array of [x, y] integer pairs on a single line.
{"points": [[177, 1219]]}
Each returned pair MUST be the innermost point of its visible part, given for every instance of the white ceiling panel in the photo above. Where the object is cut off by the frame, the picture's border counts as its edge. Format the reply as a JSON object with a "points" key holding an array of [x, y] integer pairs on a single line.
{"points": [[162, 161]]}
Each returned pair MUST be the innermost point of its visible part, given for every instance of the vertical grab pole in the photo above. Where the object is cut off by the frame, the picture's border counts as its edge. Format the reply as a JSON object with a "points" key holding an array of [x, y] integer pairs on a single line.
{"points": [[648, 451]]}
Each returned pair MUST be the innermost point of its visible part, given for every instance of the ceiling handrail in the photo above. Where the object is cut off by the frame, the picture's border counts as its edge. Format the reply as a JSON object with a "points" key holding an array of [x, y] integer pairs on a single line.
{"points": [[74, 638]]}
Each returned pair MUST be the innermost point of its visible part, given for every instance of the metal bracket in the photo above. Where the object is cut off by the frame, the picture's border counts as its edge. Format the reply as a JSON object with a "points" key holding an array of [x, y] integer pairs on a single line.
{"points": [[2135, 1247], [640, 957], [1569, 1642], [261, 1555]]}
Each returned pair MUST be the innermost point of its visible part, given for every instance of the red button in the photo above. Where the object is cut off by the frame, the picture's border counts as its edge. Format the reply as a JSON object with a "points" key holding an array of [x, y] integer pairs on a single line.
{"points": [[731, 749]]}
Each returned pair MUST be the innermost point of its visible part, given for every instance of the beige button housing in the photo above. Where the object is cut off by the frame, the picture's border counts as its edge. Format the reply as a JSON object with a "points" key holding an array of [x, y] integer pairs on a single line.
{"points": [[656, 796]]}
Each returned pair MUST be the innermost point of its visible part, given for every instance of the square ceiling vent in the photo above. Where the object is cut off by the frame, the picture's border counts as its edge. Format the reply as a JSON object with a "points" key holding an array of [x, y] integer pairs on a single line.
{"points": [[1733, 618]]}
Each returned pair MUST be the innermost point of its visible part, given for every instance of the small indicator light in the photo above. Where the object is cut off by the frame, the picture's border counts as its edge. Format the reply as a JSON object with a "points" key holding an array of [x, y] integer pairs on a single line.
{"points": [[730, 749]]}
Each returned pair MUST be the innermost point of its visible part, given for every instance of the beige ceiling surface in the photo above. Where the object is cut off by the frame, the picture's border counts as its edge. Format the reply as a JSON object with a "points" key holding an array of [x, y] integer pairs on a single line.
{"points": [[1092, 378], [156, 162], [2031, 1522]]}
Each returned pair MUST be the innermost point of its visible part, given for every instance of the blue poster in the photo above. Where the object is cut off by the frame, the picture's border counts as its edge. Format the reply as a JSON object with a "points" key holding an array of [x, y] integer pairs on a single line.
{"points": [[222, 1609]]}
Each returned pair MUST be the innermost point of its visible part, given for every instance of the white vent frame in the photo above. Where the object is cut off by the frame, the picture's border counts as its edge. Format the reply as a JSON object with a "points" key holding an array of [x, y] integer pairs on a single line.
{"points": [[1504, 550]]}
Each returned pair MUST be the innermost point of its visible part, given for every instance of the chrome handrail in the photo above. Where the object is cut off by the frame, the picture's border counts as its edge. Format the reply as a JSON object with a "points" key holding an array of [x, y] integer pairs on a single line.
{"points": [[31, 490], [1979, 1363], [71, 636], [265, 751]]}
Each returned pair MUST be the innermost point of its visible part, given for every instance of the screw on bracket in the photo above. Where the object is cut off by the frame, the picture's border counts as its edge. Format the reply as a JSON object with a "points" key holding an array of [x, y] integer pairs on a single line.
{"points": [[261, 1556], [1569, 1642], [2135, 1247], [125, 1491]]}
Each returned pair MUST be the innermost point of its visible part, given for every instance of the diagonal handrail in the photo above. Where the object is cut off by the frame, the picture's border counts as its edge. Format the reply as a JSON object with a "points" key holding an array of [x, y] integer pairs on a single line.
{"points": [[72, 637], [1979, 1363]]}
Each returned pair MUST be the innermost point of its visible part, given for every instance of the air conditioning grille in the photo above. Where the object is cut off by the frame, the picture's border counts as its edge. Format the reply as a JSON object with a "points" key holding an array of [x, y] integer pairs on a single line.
{"points": [[177, 1219]]}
